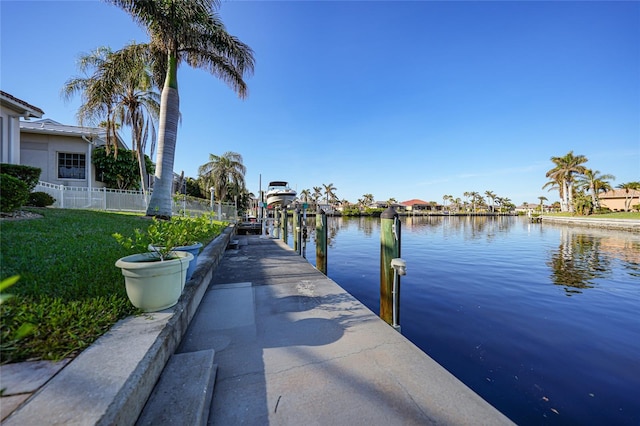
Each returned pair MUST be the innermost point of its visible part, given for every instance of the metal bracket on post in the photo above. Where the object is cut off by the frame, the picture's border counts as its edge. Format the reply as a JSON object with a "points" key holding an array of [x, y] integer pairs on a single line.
{"points": [[399, 268]]}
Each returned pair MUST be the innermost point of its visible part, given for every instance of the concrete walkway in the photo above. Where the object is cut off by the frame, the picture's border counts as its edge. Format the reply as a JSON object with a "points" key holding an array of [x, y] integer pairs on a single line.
{"points": [[293, 348]]}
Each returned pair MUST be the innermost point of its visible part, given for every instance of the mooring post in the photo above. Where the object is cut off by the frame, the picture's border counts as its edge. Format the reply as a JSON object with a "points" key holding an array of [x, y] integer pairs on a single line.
{"points": [[389, 250], [304, 230], [296, 230], [321, 241], [284, 223]]}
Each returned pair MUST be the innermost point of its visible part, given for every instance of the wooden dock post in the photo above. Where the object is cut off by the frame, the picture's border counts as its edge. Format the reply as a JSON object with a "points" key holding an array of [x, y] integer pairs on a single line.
{"points": [[284, 224], [390, 240], [321, 241], [296, 230]]}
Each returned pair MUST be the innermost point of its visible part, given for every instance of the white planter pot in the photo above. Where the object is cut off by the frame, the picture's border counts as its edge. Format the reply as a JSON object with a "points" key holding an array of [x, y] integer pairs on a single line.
{"points": [[194, 249], [153, 285]]}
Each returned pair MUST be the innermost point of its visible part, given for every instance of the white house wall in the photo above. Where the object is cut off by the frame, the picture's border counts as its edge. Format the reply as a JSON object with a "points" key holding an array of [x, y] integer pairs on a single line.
{"points": [[41, 150], [10, 136]]}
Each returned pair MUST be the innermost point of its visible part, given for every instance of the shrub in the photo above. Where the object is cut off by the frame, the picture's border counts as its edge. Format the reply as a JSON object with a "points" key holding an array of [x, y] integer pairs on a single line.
{"points": [[27, 174], [40, 199], [119, 172], [13, 193]]}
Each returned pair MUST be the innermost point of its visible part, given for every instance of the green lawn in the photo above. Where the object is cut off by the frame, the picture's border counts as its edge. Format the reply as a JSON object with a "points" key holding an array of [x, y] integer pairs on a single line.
{"points": [[69, 287]]}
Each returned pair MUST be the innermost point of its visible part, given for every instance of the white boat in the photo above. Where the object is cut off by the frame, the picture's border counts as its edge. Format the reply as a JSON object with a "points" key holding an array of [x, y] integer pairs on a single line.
{"points": [[279, 194]]}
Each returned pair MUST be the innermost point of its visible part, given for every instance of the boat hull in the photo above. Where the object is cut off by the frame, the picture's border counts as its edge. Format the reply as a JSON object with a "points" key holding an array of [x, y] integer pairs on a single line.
{"points": [[280, 198]]}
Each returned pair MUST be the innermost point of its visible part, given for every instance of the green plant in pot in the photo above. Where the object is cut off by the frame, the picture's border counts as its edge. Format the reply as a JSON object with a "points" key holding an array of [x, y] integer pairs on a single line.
{"points": [[181, 234], [154, 280]]}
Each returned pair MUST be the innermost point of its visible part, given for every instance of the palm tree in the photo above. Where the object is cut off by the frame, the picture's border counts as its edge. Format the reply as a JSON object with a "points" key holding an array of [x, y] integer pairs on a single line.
{"points": [[329, 192], [96, 93], [317, 194], [305, 194], [138, 104], [367, 200], [456, 203], [507, 203], [542, 199], [492, 197], [475, 197], [446, 198], [120, 91], [562, 175], [225, 174], [185, 31], [629, 198], [594, 183]]}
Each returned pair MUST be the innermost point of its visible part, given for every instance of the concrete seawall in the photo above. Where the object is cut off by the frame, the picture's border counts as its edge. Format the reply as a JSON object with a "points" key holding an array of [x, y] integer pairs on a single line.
{"points": [[617, 224]]}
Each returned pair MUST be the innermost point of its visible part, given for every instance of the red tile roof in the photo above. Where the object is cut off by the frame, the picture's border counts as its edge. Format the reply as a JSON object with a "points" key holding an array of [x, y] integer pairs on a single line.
{"points": [[414, 201]]}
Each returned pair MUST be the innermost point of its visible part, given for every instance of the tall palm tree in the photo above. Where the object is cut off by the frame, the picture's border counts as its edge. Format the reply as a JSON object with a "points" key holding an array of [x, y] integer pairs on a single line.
{"points": [[317, 194], [446, 198], [542, 199], [96, 91], [329, 192], [185, 31], [305, 194], [594, 183], [225, 174], [499, 201], [562, 175], [627, 186], [456, 203], [138, 104], [119, 92], [367, 200], [492, 197]]}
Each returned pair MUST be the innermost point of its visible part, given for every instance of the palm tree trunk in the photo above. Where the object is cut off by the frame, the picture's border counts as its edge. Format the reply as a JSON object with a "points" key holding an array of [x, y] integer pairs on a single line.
{"points": [[143, 174], [160, 203]]}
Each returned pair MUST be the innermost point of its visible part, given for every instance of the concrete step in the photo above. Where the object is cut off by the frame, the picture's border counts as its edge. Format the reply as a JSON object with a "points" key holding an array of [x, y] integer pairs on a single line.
{"points": [[184, 391]]}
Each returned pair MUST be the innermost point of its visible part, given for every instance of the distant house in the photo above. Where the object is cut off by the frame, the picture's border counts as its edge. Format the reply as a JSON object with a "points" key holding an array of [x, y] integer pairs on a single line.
{"points": [[385, 204], [415, 205], [62, 152], [12, 110], [615, 199]]}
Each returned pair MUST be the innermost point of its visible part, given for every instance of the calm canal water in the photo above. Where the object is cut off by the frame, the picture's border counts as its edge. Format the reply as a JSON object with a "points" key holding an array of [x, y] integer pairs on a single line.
{"points": [[542, 321]]}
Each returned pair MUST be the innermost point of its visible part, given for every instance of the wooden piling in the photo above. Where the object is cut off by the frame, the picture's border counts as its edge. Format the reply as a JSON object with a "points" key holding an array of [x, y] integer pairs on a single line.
{"points": [[284, 224], [389, 249], [296, 230], [321, 241]]}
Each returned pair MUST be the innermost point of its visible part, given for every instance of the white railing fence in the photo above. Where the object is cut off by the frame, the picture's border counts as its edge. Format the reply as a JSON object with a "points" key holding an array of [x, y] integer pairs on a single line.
{"points": [[76, 197]]}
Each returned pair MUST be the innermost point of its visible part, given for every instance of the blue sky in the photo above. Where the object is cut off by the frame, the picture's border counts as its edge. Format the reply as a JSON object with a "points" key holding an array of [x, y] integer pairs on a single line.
{"points": [[397, 99]]}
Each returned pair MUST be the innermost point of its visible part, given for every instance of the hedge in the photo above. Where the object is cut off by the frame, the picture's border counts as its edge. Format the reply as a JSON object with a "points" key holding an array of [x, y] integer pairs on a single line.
{"points": [[27, 174], [13, 193]]}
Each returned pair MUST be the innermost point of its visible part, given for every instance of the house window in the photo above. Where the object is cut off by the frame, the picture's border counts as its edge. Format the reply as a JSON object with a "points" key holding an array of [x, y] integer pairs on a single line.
{"points": [[71, 166]]}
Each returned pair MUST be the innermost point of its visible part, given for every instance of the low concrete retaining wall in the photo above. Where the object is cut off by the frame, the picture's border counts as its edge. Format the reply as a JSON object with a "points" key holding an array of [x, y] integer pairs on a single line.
{"points": [[618, 224]]}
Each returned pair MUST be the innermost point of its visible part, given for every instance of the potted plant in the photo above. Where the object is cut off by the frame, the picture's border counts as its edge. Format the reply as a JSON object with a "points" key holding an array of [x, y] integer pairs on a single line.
{"points": [[154, 280], [180, 234]]}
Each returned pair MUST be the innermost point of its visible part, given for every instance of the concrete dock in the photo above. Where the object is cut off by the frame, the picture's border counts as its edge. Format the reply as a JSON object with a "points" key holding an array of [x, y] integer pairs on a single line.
{"points": [[292, 347], [268, 340]]}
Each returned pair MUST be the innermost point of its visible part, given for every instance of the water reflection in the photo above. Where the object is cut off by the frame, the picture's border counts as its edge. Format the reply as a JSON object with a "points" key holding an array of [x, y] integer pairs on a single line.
{"points": [[585, 256]]}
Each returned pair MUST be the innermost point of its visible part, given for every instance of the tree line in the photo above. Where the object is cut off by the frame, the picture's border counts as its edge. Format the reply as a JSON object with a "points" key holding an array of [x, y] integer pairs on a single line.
{"points": [[579, 187]]}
